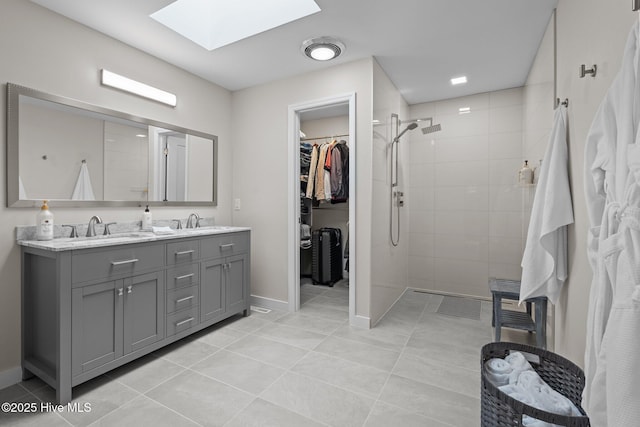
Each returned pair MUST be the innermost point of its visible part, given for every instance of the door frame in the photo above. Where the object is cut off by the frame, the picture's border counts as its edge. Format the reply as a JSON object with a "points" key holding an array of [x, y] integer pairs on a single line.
{"points": [[293, 208]]}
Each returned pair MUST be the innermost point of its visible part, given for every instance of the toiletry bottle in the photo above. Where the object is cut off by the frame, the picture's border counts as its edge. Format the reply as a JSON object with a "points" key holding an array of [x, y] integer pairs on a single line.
{"points": [[44, 223], [147, 222]]}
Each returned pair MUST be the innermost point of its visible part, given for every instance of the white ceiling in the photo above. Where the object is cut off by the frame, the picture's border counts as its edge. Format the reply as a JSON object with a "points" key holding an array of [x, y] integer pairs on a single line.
{"points": [[420, 44]]}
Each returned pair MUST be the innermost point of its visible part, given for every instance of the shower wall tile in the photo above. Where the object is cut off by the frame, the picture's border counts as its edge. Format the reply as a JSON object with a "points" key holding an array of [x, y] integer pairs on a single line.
{"points": [[504, 172], [466, 217], [464, 248], [505, 224], [506, 98], [505, 198], [452, 106], [421, 268], [505, 119], [461, 149], [422, 222], [461, 272], [505, 271], [422, 245], [460, 125], [422, 148], [467, 198], [420, 199], [461, 223], [421, 175], [461, 173], [505, 250], [505, 145]]}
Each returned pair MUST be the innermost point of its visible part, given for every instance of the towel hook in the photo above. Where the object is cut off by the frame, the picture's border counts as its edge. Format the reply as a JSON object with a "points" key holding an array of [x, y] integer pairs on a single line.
{"points": [[565, 102], [584, 71], [84, 161]]}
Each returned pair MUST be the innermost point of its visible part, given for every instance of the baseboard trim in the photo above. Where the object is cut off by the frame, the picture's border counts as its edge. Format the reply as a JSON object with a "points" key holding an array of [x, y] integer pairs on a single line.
{"points": [[10, 377], [272, 304], [361, 322]]}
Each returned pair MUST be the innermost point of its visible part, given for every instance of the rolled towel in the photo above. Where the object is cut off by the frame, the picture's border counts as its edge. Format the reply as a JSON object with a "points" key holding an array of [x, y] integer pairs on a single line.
{"points": [[530, 380], [497, 371], [554, 402], [519, 364]]}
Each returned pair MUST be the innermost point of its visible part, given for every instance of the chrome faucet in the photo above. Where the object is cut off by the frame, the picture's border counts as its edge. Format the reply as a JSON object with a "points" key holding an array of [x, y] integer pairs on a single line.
{"points": [[91, 228], [190, 223]]}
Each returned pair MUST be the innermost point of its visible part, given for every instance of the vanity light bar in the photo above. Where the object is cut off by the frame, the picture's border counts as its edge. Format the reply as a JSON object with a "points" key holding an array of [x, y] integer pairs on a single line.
{"points": [[117, 81]]}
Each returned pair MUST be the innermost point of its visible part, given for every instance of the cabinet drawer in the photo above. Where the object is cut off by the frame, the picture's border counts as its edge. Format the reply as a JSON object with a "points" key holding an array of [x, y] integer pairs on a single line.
{"points": [[180, 299], [223, 245], [183, 275], [182, 320], [116, 261], [183, 251]]}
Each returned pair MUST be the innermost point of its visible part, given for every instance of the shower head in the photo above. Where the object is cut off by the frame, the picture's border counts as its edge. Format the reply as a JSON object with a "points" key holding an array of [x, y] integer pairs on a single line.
{"points": [[411, 126], [431, 129]]}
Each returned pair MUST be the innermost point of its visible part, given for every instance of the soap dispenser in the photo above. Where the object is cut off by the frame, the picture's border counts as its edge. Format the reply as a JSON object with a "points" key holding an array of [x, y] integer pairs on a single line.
{"points": [[147, 221], [44, 223]]}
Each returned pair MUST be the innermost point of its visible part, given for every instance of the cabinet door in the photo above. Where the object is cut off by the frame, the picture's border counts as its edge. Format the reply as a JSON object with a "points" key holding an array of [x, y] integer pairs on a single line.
{"points": [[96, 325], [144, 311], [212, 290], [236, 279]]}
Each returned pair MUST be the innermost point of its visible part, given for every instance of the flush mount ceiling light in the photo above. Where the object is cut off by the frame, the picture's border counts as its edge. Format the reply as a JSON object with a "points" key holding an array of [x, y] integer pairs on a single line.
{"points": [[128, 85], [322, 48], [459, 80], [216, 23]]}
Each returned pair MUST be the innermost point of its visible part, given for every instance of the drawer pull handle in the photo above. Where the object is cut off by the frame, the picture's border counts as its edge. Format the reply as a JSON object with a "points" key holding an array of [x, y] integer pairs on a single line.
{"points": [[184, 299], [120, 292], [227, 246], [184, 277], [184, 322], [128, 261], [185, 252], [129, 289]]}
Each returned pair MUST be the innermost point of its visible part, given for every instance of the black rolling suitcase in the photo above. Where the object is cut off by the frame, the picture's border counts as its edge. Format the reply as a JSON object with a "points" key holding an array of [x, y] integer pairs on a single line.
{"points": [[326, 256]]}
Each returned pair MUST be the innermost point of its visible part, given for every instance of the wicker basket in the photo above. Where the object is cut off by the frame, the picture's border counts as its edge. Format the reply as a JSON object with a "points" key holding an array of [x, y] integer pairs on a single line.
{"points": [[500, 410]]}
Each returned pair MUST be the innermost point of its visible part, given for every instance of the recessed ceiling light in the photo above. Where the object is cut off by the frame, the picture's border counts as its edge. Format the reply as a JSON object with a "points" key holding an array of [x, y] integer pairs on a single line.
{"points": [[216, 23], [459, 80], [464, 110], [322, 48]]}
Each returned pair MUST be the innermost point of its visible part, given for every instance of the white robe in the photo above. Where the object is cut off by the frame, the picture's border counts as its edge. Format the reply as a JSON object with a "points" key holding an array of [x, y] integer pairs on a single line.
{"points": [[544, 263], [612, 185]]}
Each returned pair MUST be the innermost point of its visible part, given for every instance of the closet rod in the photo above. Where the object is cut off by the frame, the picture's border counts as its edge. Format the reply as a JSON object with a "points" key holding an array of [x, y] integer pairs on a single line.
{"points": [[323, 137]]}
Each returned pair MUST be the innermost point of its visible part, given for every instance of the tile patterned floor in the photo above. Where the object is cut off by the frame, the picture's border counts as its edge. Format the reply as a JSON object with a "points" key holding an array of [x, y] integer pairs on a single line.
{"points": [[415, 368]]}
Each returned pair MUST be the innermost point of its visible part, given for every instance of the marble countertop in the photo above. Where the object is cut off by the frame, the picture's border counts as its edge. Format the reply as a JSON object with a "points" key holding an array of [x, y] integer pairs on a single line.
{"points": [[125, 238]]}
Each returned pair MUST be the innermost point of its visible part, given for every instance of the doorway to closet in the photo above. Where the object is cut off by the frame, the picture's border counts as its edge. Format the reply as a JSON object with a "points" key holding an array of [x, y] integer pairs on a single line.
{"points": [[322, 214]]}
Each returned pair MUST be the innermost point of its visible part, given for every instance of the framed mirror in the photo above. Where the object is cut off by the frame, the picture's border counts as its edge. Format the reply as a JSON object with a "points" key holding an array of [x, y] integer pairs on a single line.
{"points": [[77, 154]]}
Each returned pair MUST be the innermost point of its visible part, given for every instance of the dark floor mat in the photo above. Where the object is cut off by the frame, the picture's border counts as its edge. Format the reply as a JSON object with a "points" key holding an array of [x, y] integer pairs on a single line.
{"points": [[460, 307]]}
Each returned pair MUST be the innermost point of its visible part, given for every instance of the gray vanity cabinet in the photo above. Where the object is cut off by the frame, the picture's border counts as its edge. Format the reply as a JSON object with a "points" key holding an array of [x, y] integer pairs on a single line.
{"points": [[224, 277], [115, 318], [88, 311]]}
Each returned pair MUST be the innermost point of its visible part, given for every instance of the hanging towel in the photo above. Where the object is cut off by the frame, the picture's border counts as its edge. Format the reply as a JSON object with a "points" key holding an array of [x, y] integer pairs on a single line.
{"points": [[612, 187], [22, 194], [544, 263], [83, 190]]}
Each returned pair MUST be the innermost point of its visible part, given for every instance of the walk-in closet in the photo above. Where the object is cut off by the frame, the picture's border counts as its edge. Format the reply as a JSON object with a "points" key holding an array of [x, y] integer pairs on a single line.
{"points": [[324, 199]]}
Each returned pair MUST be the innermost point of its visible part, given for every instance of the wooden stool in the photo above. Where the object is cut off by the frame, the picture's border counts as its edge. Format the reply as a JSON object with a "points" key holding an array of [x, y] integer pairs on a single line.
{"points": [[510, 289]]}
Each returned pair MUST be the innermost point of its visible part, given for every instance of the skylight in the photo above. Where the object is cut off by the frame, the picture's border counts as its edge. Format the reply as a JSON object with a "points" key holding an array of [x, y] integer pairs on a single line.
{"points": [[216, 23]]}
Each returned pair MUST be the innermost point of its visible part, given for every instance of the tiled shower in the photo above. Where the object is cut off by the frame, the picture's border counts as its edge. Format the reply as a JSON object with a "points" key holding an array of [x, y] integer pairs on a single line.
{"points": [[466, 209]]}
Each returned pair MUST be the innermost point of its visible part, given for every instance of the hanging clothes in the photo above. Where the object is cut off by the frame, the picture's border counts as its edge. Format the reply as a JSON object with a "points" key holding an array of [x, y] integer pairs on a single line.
{"points": [[341, 165], [544, 263], [322, 157], [612, 187], [328, 179], [311, 182]]}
